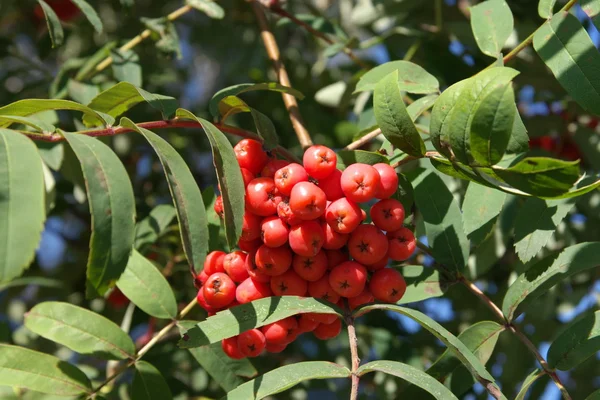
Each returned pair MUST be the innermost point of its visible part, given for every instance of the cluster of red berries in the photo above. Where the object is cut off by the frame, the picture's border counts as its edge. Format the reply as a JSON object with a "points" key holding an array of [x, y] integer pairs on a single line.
{"points": [[303, 235]]}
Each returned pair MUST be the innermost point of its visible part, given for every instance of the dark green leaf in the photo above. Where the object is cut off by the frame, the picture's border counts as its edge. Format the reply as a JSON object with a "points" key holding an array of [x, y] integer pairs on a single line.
{"points": [[232, 105], [239, 319], [28, 369], [535, 224], [492, 23], [149, 384], [440, 114], [80, 330], [546, 8], [186, 195], [90, 14], [22, 209], [582, 187], [283, 378], [147, 288], [422, 283], [229, 176], [409, 374], [411, 78], [481, 208], [208, 7], [543, 275], [33, 106], [528, 382], [405, 193], [594, 396], [393, 119], [519, 140], [568, 51], [347, 157], [55, 29], [419, 106], [112, 207], [217, 241], [443, 220], [126, 66], [165, 35], [150, 228], [575, 344]]}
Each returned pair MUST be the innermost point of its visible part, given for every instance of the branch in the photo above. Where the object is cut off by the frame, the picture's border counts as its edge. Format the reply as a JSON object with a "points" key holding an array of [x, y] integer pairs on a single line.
{"points": [[290, 101], [353, 352]]}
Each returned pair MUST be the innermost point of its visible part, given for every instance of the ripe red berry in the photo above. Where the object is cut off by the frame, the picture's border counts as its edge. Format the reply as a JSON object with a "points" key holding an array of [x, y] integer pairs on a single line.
{"points": [[249, 246], [235, 266], [332, 186], [273, 261], [275, 347], [230, 347], [250, 155], [262, 197], [272, 167], [387, 285], [253, 271], [288, 284], [367, 244], [251, 290], [310, 268], [218, 207], [388, 181], [285, 213], [332, 239], [219, 290], [328, 331], [360, 182], [214, 262], [247, 176], [379, 264], [336, 257], [250, 226], [348, 279], [402, 244], [287, 177], [307, 201], [388, 215], [321, 289], [280, 331], [365, 297], [251, 343], [274, 232], [343, 215], [200, 279], [204, 304], [306, 324], [322, 318], [306, 239], [319, 161]]}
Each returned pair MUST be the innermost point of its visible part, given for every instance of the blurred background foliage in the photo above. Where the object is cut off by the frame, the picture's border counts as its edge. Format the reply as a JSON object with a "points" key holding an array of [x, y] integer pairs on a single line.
{"points": [[207, 55]]}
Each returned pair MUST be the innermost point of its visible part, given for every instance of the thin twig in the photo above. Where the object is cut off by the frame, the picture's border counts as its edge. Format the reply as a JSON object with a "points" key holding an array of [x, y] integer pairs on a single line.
{"points": [[354, 354], [290, 101], [363, 140], [487, 301]]}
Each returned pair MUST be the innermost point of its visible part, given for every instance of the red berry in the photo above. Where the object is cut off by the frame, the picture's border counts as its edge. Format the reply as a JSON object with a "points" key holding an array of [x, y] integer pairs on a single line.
{"points": [[388, 181], [285, 213], [306, 324], [310, 268], [250, 155], [275, 347], [360, 182], [379, 264], [218, 207], [280, 331], [348, 279], [251, 290], [219, 290], [388, 215], [365, 297], [253, 271], [306, 239], [402, 244], [332, 186], [247, 176], [251, 343], [203, 303], [322, 318], [230, 347], [250, 226], [387, 285], [321, 289], [307, 201], [288, 284], [332, 239], [367, 244], [273, 261], [336, 257], [319, 161], [328, 331], [249, 246], [235, 266], [288, 176], [343, 215], [272, 167], [214, 262], [199, 280], [262, 197], [274, 232]]}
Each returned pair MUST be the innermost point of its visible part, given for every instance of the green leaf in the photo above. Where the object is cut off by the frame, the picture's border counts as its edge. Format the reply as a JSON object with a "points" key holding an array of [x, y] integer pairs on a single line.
{"points": [[90, 14], [81, 92], [123, 96], [594, 396], [150, 228], [186, 195], [422, 283], [566, 48], [546, 8], [582, 187], [208, 7], [411, 78], [28, 369], [443, 220], [492, 23], [541, 176], [546, 273], [235, 320], [36, 124], [535, 224], [55, 29], [229, 176], [164, 34], [92, 61], [421, 105], [519, 140], [409, 374], [149, 384], [283, 378], [35, 281], [147, 288], [28, 107], [528, 382], [457, 347], [80, 330], [440, 114], [235, 90], [480, 209], [575, 344], [22, 203], [126, 66], [52, 153], [232, 105], [347, 157], [112, 207], [227, 372], [393, 119], [492, 125]]}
